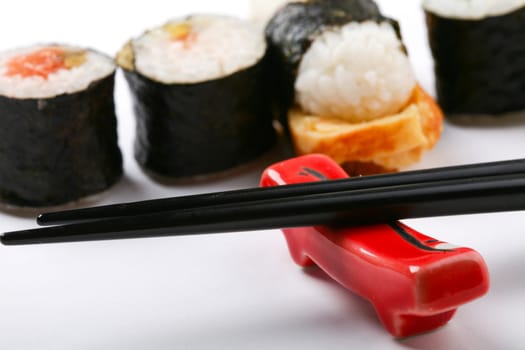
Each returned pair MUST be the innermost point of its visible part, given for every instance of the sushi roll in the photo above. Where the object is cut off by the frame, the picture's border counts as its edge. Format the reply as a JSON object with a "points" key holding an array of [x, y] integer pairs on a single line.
{"points": [[201, 96], [347, 88], [478, 48], [58, 137]]}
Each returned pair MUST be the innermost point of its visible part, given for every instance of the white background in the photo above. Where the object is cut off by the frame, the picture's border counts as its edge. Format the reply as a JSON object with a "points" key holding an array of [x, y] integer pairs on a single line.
{"points": [[233, 291]]}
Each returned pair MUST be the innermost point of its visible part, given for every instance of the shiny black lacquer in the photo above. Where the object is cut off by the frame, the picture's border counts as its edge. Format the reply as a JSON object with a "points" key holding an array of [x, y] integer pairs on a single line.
{"points": [[489, 187], [237, 197]]}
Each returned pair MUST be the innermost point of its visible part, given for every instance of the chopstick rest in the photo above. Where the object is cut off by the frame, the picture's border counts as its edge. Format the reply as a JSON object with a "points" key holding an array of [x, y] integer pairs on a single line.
{"points": [[414, 282]]}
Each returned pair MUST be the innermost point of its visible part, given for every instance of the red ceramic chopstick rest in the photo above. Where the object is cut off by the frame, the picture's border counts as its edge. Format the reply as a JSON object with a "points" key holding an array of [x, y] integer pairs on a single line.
{"points": [[414, 282]]}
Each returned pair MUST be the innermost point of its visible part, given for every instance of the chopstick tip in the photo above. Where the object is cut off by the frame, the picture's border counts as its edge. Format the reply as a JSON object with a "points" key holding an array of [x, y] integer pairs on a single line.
{"points": [[41, 219]]}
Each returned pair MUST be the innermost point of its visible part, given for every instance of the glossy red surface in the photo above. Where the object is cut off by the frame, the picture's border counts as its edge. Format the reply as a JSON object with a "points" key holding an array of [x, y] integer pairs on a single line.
{"points": [[414, 282]]}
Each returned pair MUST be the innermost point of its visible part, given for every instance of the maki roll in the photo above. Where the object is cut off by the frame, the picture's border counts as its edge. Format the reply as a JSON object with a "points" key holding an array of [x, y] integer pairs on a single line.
{"points": [[478, 48], [347, 88], [58, 138], [201, 97]]}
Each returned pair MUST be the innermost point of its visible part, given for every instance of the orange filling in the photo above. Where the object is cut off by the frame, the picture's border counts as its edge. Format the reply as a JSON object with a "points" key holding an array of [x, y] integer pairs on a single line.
{"points": [[181, 32], [38, 63], [43, 62]]}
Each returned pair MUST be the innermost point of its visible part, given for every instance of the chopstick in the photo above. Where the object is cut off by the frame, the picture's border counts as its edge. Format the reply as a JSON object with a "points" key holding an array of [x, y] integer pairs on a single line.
{"points": [[445, 197], [247, 195]]}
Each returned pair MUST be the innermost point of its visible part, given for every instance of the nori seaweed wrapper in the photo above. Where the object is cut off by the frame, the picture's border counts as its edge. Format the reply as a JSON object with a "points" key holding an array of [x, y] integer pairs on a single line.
{"points": [[59, 149], [192, 129], [479, 64], [294, 27]]}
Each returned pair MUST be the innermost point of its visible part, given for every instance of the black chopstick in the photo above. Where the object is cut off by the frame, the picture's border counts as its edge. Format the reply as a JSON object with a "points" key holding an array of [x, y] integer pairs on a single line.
{"points": [[447, 197], [469, 171]]}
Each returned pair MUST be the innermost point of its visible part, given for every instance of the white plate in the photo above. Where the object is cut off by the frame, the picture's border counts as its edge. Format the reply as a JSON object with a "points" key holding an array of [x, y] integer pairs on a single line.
{"points": [[233, 291]]}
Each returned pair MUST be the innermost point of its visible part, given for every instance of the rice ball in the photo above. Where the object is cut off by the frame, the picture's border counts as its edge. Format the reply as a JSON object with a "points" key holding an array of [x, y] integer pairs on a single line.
{"points": [[358, 72]]}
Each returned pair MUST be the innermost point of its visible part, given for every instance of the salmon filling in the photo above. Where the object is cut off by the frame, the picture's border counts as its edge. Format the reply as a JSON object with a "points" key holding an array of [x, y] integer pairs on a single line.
{"points": [[43, 62]]}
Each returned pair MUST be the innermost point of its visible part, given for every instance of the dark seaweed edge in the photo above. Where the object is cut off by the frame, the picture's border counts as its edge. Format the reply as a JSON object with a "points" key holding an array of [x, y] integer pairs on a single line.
{"points": [[473, 76], [62, 195]]}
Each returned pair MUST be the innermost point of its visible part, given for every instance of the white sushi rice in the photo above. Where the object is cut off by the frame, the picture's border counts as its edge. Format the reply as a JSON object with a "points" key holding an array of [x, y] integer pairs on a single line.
{"points": [[358, 72], [63, 81], [221, 46], [471, 9]]}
